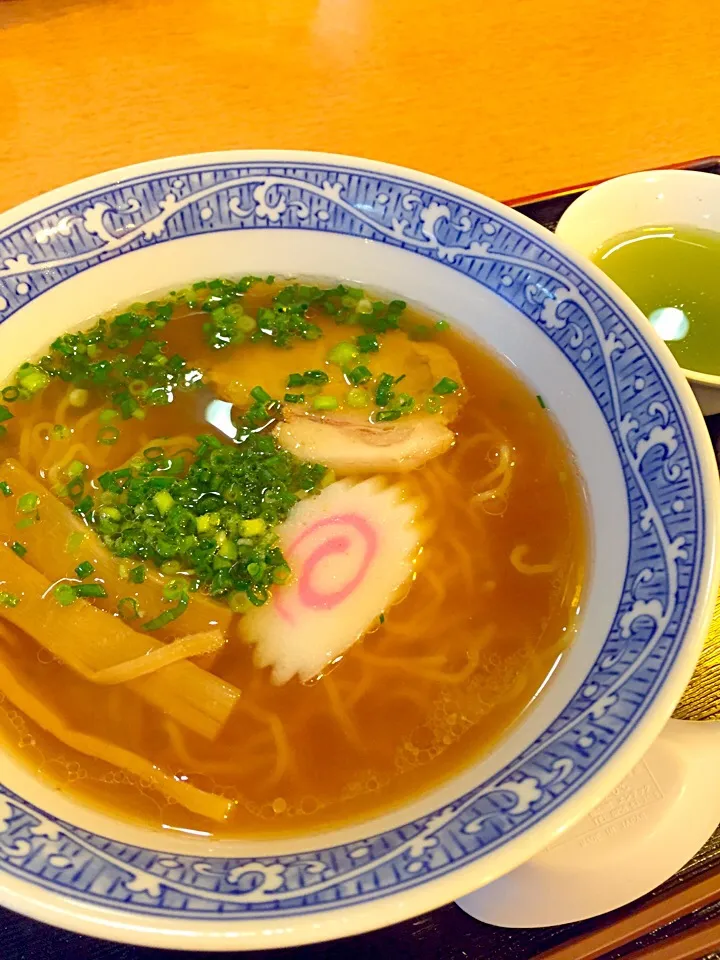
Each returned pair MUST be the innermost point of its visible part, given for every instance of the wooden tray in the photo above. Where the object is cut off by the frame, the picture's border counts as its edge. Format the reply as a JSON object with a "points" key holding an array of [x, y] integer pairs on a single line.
{"points": [[447, 933]]}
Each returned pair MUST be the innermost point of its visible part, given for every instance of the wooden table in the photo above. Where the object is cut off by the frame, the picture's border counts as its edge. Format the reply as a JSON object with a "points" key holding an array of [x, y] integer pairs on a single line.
{"points": [[509, 96], [512, 97]]}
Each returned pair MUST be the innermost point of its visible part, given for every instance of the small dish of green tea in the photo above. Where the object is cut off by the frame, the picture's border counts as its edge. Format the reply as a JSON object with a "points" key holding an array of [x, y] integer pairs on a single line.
{"points": [[673, 275]]}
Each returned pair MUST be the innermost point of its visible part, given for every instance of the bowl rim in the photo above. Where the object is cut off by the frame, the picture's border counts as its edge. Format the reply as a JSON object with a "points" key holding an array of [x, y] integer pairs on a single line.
{"points": [[396, 906]]}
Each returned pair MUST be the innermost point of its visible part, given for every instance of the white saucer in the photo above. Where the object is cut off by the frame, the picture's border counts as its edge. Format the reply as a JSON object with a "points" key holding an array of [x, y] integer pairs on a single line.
{"points": [[654, 821]]}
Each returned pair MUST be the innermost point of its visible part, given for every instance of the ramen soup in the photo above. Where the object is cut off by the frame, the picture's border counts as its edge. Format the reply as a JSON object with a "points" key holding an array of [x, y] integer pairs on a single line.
{"points": [[276, 556]]}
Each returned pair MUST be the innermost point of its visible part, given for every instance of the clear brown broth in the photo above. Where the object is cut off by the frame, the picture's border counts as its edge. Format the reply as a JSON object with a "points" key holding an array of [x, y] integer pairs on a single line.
{"points": [[399, 731]]}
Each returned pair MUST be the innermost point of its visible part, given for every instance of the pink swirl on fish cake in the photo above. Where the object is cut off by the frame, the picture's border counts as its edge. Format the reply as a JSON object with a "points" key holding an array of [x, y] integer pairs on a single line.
{"points": [[308, 595]]}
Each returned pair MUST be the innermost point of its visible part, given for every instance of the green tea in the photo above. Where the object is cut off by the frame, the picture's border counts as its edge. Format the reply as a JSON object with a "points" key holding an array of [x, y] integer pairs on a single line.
{"points": [[673, 275]]}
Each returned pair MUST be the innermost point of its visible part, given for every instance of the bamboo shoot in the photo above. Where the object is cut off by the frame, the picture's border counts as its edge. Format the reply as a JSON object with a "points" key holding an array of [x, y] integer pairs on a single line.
{"points": [[49, 545], [192, 798], [88, 640]]}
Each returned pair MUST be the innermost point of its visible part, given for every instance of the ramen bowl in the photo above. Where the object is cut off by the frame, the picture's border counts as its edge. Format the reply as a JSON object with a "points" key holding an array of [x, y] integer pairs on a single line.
{"points": [[640, 445]]}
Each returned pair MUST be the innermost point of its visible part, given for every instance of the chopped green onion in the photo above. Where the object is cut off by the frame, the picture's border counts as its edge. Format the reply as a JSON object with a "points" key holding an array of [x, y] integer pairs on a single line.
{"points": [[433, 404], [239, 602], [342, 354], [4, 413], [252, 528], [367, 343], [122, 362], [163, 501], [5, 489], [8, 599], [60, 431], [541, 401], [383, 415], [64, 594], [384, 393], [281, 574], [226, 550], [137, 574], [84, 508], [28, 502], [32, 379], [75, 488], [18, 548], [75, 468], [94, 590], [206, 521], [84, 569], [78, 397], [357, 397], [316, 376], [108, 435], [381, 618], [128, 608], [75, 541], [209, 512], [174, 590], [260, 395], [359, 375], [168, 615], [441, 325], [245, 323], [25, 523], [445, 386]]}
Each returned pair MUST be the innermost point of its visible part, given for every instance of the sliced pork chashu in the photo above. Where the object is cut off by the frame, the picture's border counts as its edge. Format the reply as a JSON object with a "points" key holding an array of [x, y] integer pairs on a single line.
{"points": [[423, 365], [345, 439], [350, 444]]}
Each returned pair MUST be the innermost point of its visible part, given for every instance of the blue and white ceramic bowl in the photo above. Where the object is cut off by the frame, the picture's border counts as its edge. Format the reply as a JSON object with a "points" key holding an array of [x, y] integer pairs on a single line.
{"points": [[640, 444]]}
